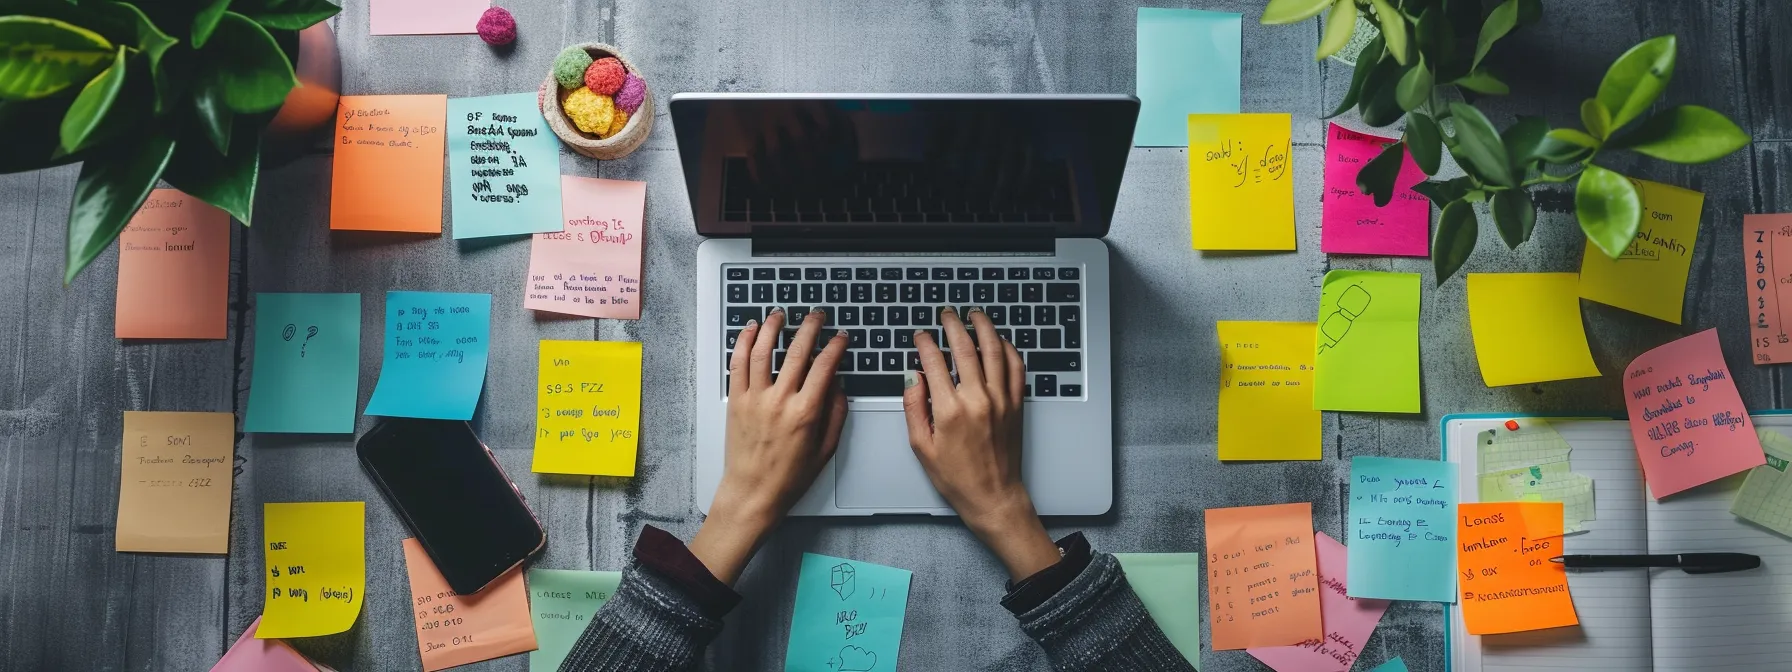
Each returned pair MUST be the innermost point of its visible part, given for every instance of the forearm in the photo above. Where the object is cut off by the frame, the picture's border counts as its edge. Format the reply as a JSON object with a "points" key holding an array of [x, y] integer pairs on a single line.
{"points": [[666, 610], [1094, 622]]}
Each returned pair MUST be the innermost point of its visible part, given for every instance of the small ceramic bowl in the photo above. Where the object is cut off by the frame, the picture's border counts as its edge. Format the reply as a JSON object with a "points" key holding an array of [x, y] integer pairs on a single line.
{"points": [[614, 147]]}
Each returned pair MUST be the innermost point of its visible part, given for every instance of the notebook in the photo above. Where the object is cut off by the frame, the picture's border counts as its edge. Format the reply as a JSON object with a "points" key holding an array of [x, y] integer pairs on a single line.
{"points": [[1656, 619]]}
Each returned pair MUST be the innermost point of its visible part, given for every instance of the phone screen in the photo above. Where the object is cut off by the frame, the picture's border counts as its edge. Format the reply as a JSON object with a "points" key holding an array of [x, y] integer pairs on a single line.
{"points": [[455, 497]]}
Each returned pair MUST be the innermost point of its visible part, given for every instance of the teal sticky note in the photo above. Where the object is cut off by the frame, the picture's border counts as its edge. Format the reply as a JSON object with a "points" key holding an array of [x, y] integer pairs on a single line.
{"points": [[561, 603], [848, 616], [1402, 529], [1395, 665], [503, 167], [1169, 584], [1188, 63], [436, 348], [306, 372]]}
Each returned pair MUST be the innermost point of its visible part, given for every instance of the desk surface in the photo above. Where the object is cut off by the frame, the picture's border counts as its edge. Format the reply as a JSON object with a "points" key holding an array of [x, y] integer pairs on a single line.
{"points": [[67, 601]]}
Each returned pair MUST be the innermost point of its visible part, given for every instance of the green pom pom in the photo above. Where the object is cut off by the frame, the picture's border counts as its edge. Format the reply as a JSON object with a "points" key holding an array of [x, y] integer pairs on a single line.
{"points": [[569, 67]]}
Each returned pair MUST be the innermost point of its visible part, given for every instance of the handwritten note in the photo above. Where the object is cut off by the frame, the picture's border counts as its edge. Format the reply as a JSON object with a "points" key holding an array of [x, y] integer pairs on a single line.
{"points": [[1240, 192], [1650, 276], [436, 349], [454, 629], [1766, 495], [306, 373], [1368, 342], [593, 268], [174, 482], [249, 654], [503, 166], [562, 602], [1527, 328], [424, 17], [1508, 582], [848, 616], [1188, 61], [1766, 239], [1348, 621], [590, 408], [1263, 580], [1531, 464], [1686, 416], [173, 269], [387, 172], [316, 555], [1266, 392], [1352, 223], [1402, 529], [1169, 585]]}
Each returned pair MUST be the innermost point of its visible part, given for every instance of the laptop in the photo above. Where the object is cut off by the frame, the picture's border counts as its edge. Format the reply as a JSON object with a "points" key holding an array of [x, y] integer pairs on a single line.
{"points": [[882, 209]]}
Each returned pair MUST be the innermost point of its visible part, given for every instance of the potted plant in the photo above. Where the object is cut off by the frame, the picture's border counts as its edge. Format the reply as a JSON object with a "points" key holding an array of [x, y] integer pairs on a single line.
{"points": [[176, 90]]}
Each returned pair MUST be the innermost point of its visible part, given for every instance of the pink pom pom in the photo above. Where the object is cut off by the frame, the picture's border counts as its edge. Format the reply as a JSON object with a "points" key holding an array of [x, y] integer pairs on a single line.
{"points": [[497, 26], [632, 94], [604, 77]]}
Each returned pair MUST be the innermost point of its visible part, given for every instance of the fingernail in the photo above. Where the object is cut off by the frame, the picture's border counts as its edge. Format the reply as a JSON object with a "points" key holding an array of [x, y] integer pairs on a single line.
{"points": [[976, 309], [752, 323], [949, 309], [839, 335], [909, 379], [818, 311], [776, 311], [920, 332]]}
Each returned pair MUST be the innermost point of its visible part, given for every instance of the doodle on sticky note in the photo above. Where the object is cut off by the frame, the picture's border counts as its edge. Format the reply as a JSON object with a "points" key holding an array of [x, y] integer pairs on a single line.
{"points": [[1352, 303]]}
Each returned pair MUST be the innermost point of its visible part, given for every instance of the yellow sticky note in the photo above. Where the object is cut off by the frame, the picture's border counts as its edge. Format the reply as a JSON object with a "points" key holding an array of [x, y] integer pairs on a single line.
{"points": [[1527, 328], [1650, 277], [316, 568], [1266, 392], [589, 401], [1240, 190]]}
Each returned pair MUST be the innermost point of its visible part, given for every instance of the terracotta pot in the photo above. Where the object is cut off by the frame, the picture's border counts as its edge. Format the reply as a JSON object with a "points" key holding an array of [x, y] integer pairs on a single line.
{"points": [[311, 105]]}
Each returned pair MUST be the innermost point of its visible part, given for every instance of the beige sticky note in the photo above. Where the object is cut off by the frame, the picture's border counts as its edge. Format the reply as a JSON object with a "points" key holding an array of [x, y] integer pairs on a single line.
{"points": [[173, 269], [455, 629], [174, 485]]}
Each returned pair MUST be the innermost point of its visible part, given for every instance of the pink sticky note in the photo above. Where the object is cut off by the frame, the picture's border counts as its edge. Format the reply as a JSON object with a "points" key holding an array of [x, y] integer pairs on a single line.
{"points": [[593, 268], [424, 17], [262, 655], [1352, 223], [1348, 621], [1686, 417], [174, 269]]}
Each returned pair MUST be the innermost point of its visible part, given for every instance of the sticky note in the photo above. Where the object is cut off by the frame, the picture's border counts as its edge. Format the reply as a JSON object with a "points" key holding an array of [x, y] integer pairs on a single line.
{"points": [[1352, 224], [1650, 276], [1503, 555], [1766, 495], [1240, 192], [1766, 239], [316, 557], [593, 268], [387, 170], [173, 269], [1169, 585], [436, 349], [174, 482], [848, 616], [455, 629], [1266, 392], [1368, 342], [503, 166], [1348, 622], [249, 654], [1402, 522], [1686, 416], [1531, 464], [424, 17], [589, 396], [306, 373], [1188, 61], [562, 602], [1527, 328], [1395, 665], [1263, 578]]}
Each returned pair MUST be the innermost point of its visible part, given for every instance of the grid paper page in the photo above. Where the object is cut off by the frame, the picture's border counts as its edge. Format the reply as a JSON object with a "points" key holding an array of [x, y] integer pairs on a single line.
{"points": [[1532, 464], [1766, 495]]}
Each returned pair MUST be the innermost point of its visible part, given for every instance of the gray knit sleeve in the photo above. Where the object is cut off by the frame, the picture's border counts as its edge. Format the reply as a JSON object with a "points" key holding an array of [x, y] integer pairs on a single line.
{"points": [[1097, 623], [648, 626]]}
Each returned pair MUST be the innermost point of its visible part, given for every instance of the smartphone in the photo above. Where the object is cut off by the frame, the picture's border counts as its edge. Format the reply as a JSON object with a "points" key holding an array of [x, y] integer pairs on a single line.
{"points": [[454, 496]]}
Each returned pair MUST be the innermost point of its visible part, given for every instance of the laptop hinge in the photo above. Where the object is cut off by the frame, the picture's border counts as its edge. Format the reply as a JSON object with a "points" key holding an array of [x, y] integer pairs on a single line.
{"points": [[1011, 241]]}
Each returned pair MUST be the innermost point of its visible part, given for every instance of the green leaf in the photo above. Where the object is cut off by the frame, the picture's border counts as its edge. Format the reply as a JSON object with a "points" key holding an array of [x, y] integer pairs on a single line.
{"points": [[1365, 61], [1393, 28], [227, 181], [1424, 141], [150, 40], [1437, 42], [1478, 148], [1503, 19], [213, 116], [1685, 134], [246, 64], [1378, 175], [1443, 192], [1415, 87], [1565, 145], [207, 20], [1608, 208], [1636, 79], [92, 104], [1457, 232], [111, 187], [1340, 23], [1522, 140], [1289, 11], [1596, 118], [1378, 104], [1514, 215], [1482, 81], [39, 57], [301, 14]]}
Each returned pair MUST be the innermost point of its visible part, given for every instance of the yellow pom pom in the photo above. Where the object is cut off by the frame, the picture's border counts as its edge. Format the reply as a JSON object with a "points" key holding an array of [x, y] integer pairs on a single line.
{"points": [[616, 124], [589, 111]]}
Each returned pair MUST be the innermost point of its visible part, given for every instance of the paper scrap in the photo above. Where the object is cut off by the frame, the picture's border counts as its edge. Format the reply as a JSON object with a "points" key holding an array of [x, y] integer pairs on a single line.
{"points": [[1395, 665], [1348, 621], [306, 374], [848, 616], [1766, 239], [1531, 464], [1188, 61], [1508, 582], [562, 602], [1240, 192], [1352, 224], [503, 166], [173, 269], [455, 629], [174, 482], [1402, 529], [593, 268], [1266, 392], [590, 408], [387, 173], [1527, 328], [1686, 416], [1650, 276], [316, 557], [436, 349], [1169, 585], [424, 17], [1368, 342], [1263, 581], [249, 654], [1766, 495]]}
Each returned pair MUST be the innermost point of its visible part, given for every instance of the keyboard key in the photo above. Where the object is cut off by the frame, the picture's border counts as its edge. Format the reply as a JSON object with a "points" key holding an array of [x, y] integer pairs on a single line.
{"points": [[911, 292], [920, 316], [1032, 292], [737, 274], [873, 316], [1063, 292], [778, 360], [958, 292], [886, 292], [935, 293], [855, 338], [861, 292], [812, 293], [942, 274], [795, 315], [738, 317], [839, 274], [1026, 339], [1070, 273], [1006, 334], [1073, 336], [866, 361], [992, 274], [846, 363], [737, 293], [1045, 316], [1044, 274], [967, 273], [898, 316], [1051, 339], [880, 338], [1017, 274], [1070, 316], [1068, 390], [998, 315], [881, 385], [892, 273], [765, 274], [762, 293], [1020, 316], [1008, 292], [786, 292], [1027, 390], [837, 292], [983, 292], [913, 361], [916, 273], [1054, 361], [848, 317], [1045, 386], [815, 274], [905, 339], [733, 337], [865, 274], [790, 274], [892, 361]]}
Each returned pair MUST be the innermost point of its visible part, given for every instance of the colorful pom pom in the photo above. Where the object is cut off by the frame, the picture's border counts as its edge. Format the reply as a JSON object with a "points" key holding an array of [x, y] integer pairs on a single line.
{"points": [[604, 77], [632, 94], [569, 67], [616, 124], [590, 112], [497, 26]]}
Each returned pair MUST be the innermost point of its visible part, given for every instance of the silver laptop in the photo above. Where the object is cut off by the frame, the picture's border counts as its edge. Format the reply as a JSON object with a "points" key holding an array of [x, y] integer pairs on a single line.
{"points": [[884, 208]]}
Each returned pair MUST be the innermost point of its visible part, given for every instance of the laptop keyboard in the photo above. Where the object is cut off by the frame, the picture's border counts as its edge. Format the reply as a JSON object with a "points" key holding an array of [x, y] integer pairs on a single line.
{"points": [[1037, 308]]}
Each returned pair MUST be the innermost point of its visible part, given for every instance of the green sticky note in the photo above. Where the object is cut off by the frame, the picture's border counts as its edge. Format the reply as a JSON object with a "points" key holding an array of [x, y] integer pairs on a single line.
{"points": [[1395, 665], [1170, 586], [307, 365], [1766, 495], [503, 167], [561, 603], [848, 616], [1368, 343], [1188, 63]]}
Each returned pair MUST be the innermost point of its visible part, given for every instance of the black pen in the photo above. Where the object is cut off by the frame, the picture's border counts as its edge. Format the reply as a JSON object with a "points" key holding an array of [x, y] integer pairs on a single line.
{"points": [[1691, 563]]}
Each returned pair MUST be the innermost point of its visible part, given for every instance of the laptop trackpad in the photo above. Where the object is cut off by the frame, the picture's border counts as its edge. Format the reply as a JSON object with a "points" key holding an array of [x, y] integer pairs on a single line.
{"points": [[875, 468]]}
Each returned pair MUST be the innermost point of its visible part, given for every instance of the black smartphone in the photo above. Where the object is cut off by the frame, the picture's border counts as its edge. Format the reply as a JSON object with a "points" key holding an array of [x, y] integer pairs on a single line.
{"points": [[454, 496]]}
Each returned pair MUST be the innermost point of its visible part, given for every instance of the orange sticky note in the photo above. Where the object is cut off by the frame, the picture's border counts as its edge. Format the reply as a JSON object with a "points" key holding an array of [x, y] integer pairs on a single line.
{"points": [[454, 629], [1263, 587], [387, 174], [1503, 556], [174, 269]]}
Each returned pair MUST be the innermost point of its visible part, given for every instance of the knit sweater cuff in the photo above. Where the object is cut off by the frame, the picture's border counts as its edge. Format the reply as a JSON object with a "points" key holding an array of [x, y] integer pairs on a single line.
{"points": [[650, 623]]}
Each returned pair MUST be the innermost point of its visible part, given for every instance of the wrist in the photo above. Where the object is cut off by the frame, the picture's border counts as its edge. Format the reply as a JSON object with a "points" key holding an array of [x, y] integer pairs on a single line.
{"points": [[1014, 533], [730, 535]]}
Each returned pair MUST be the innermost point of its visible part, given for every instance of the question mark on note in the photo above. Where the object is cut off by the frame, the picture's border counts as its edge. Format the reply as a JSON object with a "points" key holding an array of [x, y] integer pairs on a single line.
{"points": [[310, 332]]}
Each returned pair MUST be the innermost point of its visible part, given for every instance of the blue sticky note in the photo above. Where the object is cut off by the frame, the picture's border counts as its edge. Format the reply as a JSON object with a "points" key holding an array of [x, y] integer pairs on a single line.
{"points": [[436, 347], [848, 616], [306, 372], [1402, 529], [1188, 63], [503, 167], [1395, 665]]}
